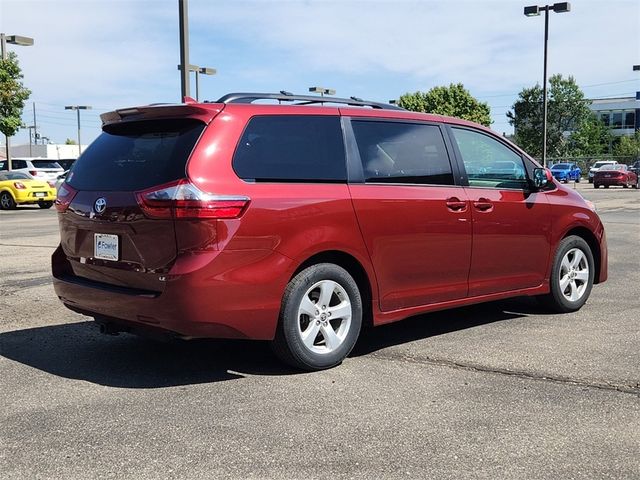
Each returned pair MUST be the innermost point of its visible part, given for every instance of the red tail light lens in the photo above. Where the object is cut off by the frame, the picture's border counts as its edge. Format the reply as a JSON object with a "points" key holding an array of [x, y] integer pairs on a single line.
{"points": [[52, 184], [19, 185], [33, 172], [65, 196], [183, 200]]}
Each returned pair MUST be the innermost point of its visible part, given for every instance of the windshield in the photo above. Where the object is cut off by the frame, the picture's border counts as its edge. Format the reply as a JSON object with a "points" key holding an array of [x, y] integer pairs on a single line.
{"points": [[600, 164], [45, 164], [14, 176], [561, 166]]}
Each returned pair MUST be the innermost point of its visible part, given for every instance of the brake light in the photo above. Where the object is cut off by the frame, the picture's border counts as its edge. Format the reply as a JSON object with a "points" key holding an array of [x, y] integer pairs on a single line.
{"points": [[19, 185], [65, 196], [183, 200], [33, 172], [51, 184]]}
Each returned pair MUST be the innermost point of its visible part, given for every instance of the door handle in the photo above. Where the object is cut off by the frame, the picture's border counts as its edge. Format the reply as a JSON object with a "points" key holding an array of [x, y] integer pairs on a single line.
{"points": [[483, 204], [456, 205]]}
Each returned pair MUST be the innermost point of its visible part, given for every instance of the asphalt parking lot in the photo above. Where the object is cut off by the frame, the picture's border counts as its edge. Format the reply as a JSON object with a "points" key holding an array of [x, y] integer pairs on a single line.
{"points": [[501, 390]]}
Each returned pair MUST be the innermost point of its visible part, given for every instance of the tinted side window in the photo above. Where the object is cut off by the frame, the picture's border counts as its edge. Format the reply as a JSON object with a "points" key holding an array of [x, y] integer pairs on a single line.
{"points": [[18, 164], [393, 152], [488, 162], [291, 148]]}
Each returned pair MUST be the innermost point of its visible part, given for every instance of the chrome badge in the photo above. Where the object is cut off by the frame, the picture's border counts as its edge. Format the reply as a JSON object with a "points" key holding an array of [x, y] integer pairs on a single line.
{"points": [[100, 205]]}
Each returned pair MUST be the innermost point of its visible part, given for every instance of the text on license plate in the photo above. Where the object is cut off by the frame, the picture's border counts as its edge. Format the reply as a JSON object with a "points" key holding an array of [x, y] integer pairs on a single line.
{"points": [[41, 194], [105, 246]]}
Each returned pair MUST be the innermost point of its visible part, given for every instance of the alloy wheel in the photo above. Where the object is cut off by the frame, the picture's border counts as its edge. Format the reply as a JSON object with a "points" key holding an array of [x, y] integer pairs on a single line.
{"points": [[324, 317], [574, 275]]}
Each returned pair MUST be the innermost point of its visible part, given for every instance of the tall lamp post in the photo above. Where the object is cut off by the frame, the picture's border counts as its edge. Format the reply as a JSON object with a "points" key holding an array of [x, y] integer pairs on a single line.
{"points": [[77, 108], [534, 11], [13, 40]]}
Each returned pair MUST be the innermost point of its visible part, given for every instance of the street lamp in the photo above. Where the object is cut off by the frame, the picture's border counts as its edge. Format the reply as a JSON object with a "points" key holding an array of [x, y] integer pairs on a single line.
{"points": [[77, 108], [13, 40], [534, 11], [202, 71], [322, 91]]}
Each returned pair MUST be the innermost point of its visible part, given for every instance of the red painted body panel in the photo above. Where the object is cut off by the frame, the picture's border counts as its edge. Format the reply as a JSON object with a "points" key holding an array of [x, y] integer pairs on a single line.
{"points": [[226, 278], [420, 249], [511, 240]]}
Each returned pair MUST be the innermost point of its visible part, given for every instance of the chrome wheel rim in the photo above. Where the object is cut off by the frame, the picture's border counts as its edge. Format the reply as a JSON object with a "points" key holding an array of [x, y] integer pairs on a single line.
{"points": [[324, 317], [574, 274]]}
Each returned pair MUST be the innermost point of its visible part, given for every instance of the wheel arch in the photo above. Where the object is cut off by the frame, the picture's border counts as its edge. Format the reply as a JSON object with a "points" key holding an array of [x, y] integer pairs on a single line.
{"points": [[589, 237], [355, 268]]}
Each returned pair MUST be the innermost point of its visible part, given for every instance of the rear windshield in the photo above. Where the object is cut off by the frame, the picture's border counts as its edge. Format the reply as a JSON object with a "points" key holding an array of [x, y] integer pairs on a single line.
{"points": [[136, 155], [45, 164], [613, 167], [561, 166]]}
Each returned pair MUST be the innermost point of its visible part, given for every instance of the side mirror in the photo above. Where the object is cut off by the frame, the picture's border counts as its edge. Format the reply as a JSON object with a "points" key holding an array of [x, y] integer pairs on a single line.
{"points": [[542, 177]]}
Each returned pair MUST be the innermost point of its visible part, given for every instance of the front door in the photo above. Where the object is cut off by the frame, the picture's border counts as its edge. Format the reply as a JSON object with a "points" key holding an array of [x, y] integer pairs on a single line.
{"points": [[511, 225]]}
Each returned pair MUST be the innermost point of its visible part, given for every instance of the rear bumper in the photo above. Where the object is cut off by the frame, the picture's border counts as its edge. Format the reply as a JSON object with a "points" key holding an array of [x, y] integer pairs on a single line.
{"points": [[609, 181], [220, 294]]}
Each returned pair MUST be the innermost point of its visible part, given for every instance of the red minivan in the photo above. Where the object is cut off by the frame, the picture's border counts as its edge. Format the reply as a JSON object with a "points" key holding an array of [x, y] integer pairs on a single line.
{"points": [[301, 221]]}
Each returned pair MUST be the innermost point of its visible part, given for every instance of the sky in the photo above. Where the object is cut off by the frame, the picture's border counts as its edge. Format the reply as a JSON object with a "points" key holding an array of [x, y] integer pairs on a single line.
{"points": [[115, 53]]}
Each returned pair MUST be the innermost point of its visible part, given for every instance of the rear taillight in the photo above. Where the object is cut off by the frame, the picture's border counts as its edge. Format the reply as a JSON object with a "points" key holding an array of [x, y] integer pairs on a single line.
{"points": [[19, 185], [51, 184], [33, 172], [65, 196], [183, 200]]}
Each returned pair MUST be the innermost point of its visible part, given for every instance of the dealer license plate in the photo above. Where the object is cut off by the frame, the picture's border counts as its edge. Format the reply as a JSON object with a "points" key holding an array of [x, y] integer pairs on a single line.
{"points": [[105, 246]]}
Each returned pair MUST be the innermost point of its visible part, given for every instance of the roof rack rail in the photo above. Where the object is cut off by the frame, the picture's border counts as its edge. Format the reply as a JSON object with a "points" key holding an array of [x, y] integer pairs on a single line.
{"points": [[283, 96]]}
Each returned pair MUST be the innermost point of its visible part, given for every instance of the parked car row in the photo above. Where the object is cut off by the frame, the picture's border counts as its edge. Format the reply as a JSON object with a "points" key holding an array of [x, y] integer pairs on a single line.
{"points": [[31, 181]]}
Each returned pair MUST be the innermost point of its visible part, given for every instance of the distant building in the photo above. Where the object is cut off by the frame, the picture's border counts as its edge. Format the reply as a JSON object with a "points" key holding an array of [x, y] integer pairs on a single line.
{"points": [[621, 115], [52, 151]]}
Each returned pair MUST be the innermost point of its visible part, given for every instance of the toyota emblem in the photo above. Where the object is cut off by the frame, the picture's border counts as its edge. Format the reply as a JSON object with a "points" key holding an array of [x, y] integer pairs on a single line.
{"points": [[100, 205]]}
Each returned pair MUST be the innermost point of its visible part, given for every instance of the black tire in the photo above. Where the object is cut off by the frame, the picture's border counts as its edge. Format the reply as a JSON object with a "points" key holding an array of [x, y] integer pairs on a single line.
{"points": [[606, 186], [595, 185], [288, 344], [578, 180], [47, 204], [556, 299], [591, 180], [626, 185], [6, 201]]}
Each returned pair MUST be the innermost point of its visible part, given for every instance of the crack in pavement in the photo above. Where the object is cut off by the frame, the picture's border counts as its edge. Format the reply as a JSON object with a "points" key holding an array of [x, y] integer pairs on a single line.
{"points": [[476, 367]]}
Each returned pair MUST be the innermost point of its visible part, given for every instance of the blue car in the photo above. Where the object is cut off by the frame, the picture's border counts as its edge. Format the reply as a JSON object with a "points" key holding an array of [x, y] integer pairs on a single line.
{"points": [[565, 172]]}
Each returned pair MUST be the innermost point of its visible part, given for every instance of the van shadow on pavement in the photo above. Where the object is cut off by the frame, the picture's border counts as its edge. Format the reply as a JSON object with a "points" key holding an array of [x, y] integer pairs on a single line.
{"points": [[79, 351]]}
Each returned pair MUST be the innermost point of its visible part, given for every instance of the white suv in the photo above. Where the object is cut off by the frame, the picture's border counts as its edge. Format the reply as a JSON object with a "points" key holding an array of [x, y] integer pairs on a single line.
{"points": [[596, 166], [38, 168]]}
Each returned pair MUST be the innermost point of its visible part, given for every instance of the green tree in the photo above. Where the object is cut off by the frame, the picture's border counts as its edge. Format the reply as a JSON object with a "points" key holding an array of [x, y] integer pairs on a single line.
{"points": [[69, 141], [592, 137], [567, 111], [453, 101], [629, 146], [13, 94]]}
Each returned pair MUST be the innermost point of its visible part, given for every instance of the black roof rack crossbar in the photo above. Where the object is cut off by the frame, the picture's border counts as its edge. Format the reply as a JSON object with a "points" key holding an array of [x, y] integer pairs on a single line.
{"points": [[246, 97]]}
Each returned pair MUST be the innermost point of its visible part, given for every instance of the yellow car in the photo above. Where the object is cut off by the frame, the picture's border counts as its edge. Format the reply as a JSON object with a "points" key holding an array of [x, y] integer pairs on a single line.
{"points": [[17, 188]]}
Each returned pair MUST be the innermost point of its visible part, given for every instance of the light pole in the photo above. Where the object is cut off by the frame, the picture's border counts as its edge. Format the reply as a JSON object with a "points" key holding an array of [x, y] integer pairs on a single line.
{"points": [[77, 108], [13, 40], [199, 70], [534, 11], [322, 91]]}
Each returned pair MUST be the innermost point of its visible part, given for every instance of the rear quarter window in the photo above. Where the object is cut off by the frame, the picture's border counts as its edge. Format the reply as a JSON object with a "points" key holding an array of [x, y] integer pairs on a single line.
{"points": [[133, 156], [291, 148]]}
